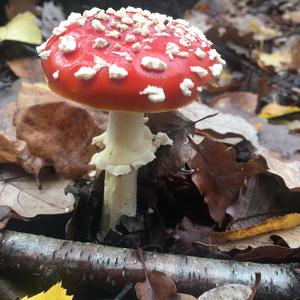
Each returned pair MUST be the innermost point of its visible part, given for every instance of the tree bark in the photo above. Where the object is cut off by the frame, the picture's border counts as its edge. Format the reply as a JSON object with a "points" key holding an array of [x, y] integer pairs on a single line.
{"points": [[110, 268]]}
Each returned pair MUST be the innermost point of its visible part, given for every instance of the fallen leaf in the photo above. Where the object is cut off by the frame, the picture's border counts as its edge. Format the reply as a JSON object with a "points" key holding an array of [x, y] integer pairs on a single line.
{"points": [[61, 133], [37, 93], [227, 292], [223, 124], [15, 7], [261, 31], [56, 292], [22, 28], [245, 101], [279, 60], [270, 254], [13, 150], [158, 286], [57, 130], [217, 176], [273, 110], [272, 224], [171, 159], [186, 233], [20, 192], [264, 196], [225, 82], [259, 26], [27, 68], [286, 57], [290, 236], [278, 139], [5, 214], [293, 16], [288, 170]]}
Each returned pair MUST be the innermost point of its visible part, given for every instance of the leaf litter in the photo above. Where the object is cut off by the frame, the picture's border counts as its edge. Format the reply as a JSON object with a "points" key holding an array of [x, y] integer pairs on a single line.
{"points": [[230, 173]]}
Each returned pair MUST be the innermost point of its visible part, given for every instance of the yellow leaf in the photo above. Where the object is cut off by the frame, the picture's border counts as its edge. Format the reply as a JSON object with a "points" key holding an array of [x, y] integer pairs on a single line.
{"points": [[272, 224], [280, 60], [274, 110], [56, 292], [265, 31], [22, 28]]}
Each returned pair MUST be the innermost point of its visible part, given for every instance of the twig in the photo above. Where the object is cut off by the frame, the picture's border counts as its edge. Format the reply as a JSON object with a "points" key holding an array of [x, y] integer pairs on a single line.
{"points": [[124, 291], [256, 286], [190, 124], [82, 264]]}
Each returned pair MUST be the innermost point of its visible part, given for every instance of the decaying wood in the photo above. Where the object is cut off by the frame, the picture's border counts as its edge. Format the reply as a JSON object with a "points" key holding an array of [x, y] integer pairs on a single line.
{"points": [[109, 268]]}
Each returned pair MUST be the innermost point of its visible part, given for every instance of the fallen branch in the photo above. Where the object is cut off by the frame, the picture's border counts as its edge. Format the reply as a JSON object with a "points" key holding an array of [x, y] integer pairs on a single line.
{"points": [[109, 268]]}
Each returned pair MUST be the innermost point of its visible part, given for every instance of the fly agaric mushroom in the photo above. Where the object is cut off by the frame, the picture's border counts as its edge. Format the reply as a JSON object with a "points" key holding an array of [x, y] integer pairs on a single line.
{"points": [[127, 62]]}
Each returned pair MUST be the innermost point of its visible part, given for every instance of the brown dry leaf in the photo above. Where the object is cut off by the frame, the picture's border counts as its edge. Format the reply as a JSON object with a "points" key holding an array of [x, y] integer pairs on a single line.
{"points": [[15, 7], [245, 101], [158, 286], [22, 195], [58, 131], [13, 150], [27, 68], [61, 133], [272, 224], [227, 292], [171, 159], [217, 176], [32, 94], [271, 253], [293, 16], [186, 233]]}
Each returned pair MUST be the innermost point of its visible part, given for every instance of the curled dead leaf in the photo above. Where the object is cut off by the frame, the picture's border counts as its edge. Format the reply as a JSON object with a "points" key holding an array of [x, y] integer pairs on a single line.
{"points": [[272, 224]]}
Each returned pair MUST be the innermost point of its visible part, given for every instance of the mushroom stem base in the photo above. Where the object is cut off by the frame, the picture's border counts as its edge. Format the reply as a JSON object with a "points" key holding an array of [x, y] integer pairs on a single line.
{"points": [[119, 199], [128, 145]]}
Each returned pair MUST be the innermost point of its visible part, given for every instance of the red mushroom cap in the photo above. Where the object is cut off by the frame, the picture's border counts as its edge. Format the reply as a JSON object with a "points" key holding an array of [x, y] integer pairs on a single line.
{"points": [[128, 60]]}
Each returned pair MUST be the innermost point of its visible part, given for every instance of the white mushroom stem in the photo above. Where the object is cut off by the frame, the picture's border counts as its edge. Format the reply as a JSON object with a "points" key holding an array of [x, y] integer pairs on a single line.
{"points": [[119, 199], [128, 145]]}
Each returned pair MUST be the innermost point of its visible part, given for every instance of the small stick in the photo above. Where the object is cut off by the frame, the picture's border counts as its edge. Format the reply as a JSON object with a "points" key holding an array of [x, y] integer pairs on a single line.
{"points": [[190, 124]]}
